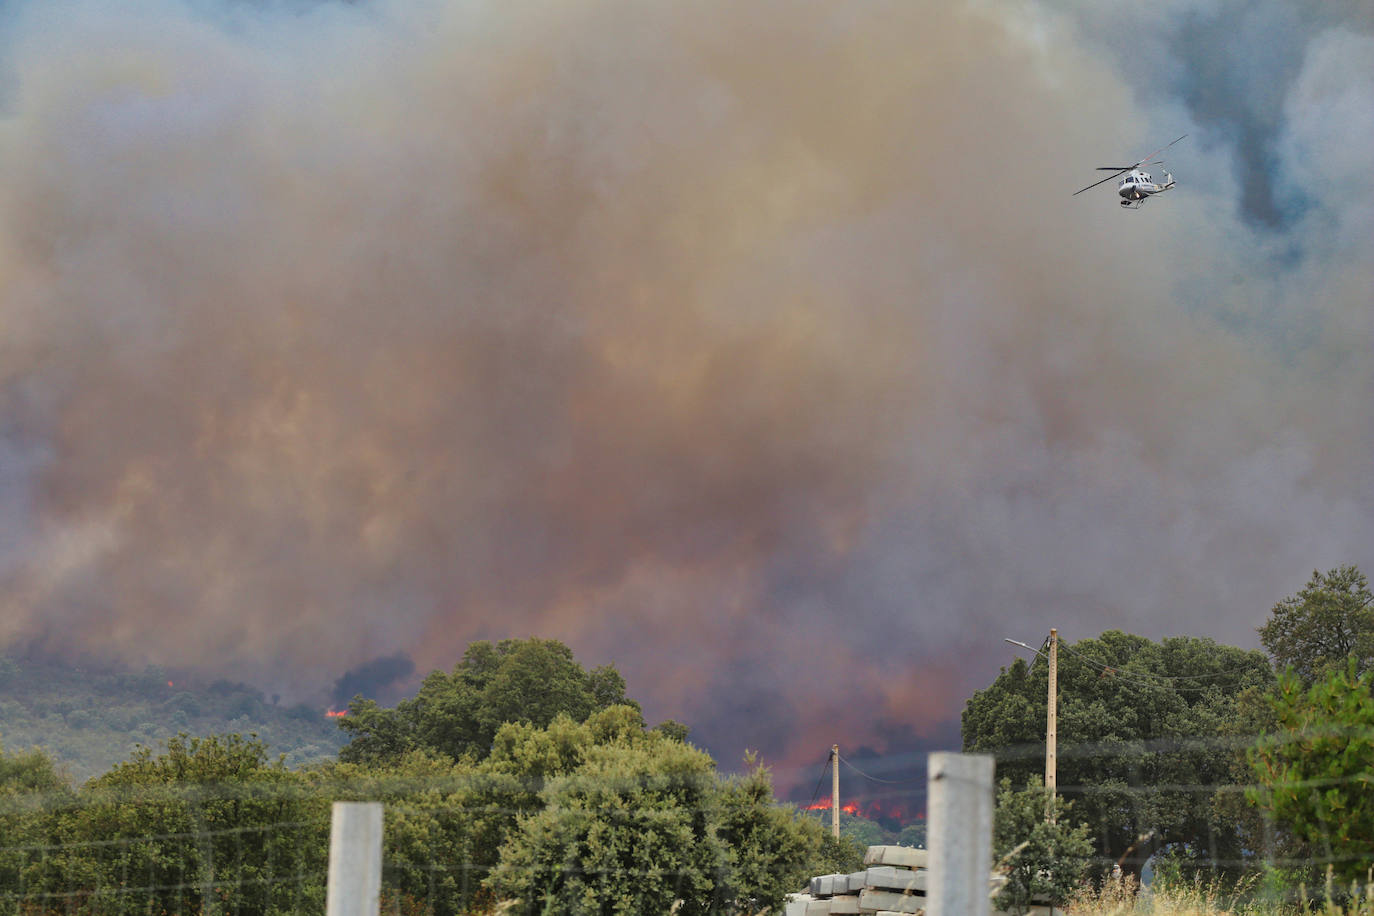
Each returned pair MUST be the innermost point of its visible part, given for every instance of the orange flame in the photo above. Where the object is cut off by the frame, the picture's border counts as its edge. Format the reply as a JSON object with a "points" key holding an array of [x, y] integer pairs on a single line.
{"points": [[848, 808], [335, 713]]}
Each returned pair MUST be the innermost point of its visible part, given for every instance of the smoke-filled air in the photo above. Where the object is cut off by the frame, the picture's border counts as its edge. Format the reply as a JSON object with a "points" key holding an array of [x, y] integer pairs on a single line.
{"points": [[759, 349]]}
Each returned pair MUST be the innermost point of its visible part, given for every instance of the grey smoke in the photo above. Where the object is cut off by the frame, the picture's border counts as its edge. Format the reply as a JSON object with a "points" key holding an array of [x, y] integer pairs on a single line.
{"points": [[758, 349]]}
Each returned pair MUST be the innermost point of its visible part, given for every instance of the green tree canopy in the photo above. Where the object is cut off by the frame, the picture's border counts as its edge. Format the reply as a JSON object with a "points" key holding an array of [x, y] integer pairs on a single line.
{"points": [[1044, 858], [643, 822], [29, 784], [1141, 743], [458, 713], [449, 822], [208, 820], [1332, 617], [28, 772], [1316, 771]]}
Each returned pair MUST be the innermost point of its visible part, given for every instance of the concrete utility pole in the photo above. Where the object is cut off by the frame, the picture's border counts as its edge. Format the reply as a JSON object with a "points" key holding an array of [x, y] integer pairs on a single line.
{"points": [[835, 790], [959, 799], [1051, 725], [355, 859]]}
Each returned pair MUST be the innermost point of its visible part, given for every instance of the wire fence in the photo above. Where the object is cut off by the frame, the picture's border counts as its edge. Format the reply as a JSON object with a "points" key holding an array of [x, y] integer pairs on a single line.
{"points": [[458, 842]]}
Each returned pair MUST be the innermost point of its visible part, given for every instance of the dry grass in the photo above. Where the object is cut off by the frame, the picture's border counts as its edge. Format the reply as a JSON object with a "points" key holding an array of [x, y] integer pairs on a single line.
{"points": [[1126, 898]]}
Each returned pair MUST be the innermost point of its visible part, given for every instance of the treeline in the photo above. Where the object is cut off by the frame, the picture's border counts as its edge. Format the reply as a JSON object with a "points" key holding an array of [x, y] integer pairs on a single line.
{"points": [[521, 782], [518, 776], [88, 720], [1253, 768]]}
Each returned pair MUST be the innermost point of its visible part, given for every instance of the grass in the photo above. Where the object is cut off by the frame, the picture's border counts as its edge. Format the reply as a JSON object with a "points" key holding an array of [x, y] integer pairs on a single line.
{"points": [[1126, 898]]}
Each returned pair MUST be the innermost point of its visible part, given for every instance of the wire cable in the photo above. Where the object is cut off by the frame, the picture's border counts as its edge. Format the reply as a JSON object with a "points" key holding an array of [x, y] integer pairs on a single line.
{"points": [[825, 769], [889, 782]]}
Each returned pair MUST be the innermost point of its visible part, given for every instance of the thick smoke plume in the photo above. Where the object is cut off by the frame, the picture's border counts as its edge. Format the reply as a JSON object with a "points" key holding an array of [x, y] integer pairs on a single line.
{"points": [[377, 679], [758, 349]]}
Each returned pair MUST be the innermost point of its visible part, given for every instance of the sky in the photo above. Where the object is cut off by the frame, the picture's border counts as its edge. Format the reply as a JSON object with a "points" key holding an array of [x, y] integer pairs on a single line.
{"points": [[759, 349]]}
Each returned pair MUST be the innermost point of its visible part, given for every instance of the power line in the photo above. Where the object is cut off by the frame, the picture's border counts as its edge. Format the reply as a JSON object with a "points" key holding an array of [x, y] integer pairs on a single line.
{"points": [[825, 769], [889, 782]]}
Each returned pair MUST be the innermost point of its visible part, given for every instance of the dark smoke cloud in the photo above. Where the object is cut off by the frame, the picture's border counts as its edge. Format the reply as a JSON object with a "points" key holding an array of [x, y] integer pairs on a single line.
{"points": [[1232, 65], [758, 349], [378, 679]]}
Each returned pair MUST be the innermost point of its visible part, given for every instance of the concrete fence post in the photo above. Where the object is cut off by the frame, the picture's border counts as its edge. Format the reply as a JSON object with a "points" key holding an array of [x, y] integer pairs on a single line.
{"points": [[355, 859], [959, 803]]}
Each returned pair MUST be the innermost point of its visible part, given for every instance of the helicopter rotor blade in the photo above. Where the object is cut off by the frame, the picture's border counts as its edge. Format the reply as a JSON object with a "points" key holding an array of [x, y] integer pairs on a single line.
{"points": [[1119, 172], [1158, 151]]}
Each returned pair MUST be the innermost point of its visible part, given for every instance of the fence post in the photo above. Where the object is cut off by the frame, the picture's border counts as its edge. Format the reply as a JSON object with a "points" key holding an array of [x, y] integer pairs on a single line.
{"points": [[355, 859], [959, 801]]}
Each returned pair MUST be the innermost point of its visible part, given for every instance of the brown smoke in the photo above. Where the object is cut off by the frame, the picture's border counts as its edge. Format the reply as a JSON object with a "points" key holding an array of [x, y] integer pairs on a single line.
{"points": [[756, 348]]}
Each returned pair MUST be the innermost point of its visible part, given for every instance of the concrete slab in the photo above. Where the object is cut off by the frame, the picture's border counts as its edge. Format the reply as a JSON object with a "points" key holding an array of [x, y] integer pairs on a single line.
{"points": [[829, 885], [887, 877], [849, 903], [902, 856], [887, 900]]}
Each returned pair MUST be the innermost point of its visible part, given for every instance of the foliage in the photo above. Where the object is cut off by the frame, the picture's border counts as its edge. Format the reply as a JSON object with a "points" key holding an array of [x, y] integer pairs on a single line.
{"points": [[1141, 739], [89, 720], [1316, 773], [864, 832], [581, 806], [209, 820], [769, 850], [626, 833], [838, 855], [1044, 859], [27, 772], [1331, 618], [28, 782], [459, 713], [913, 834], [443, 823], [642, 822]]}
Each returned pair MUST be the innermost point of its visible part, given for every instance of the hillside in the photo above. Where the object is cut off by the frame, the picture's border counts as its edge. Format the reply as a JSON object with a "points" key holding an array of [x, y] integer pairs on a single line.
{"points": [[89, 720]]}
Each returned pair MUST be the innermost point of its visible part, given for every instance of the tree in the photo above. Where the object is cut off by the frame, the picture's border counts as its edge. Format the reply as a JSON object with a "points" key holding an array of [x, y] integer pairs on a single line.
{"points": [[769, 848], [459, 713], [1316, 772], [630, 821], [1044, 859], [27, 773], [838, 855], [29, 785], [627, 833], [913, 834], [209, 820], [449, 822], [444, 823], [1314, 631], [1140, 739]]}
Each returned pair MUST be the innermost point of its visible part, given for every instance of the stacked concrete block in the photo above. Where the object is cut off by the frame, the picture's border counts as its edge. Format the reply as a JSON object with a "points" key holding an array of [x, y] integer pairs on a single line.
{"points": [[890, 878], [829, 885], [897, 856], [894, 882]]}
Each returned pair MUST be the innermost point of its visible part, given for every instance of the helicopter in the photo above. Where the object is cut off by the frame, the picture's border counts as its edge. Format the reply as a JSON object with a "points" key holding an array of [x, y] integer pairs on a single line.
{"points": [[1137, 187]]}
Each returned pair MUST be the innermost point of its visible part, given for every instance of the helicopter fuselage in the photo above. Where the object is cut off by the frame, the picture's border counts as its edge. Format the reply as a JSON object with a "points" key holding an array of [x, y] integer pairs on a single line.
{"points": [[1138, 185]]}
